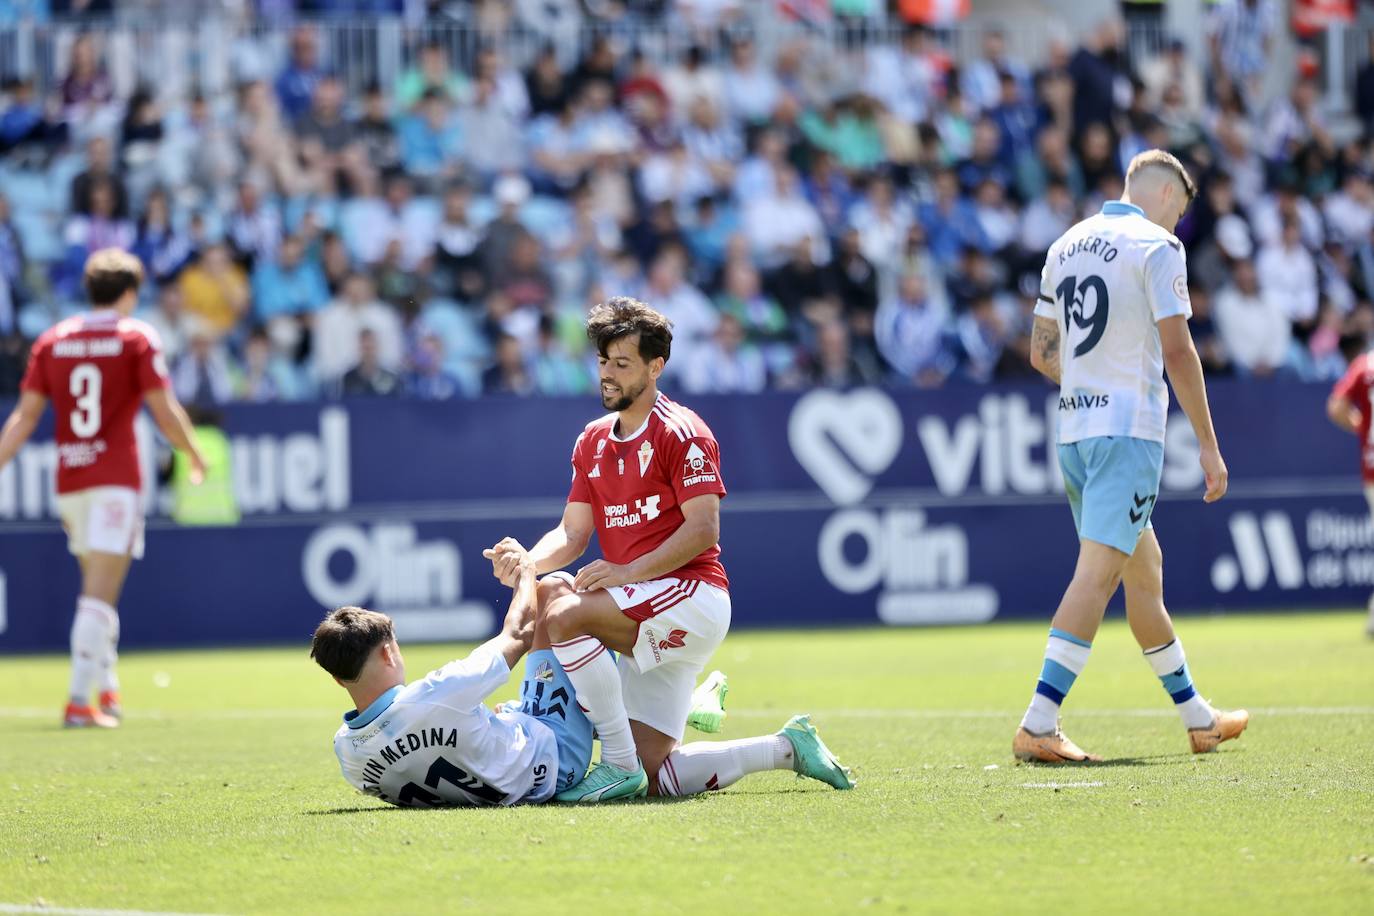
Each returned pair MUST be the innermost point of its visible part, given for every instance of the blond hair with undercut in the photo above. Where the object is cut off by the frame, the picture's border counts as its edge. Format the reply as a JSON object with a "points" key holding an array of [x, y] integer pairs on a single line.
{"points": [[1162, 162]]}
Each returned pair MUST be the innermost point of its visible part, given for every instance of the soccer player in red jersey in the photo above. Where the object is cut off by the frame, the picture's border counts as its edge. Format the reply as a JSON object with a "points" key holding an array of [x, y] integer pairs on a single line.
{"points": [[1350, 407], [97, 369], [646, 479]]}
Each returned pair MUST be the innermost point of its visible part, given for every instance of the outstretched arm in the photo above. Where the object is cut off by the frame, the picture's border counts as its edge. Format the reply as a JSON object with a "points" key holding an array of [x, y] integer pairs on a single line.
{"points": [[567, 542], [176, 426], [1343, 413], [1185, 374], [21, 424], [518, 630], [555, 550], [1044, 353]]}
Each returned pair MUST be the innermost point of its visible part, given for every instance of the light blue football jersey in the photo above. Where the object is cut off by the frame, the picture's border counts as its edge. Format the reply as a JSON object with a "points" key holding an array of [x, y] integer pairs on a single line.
{"points": [[1106, 283]]}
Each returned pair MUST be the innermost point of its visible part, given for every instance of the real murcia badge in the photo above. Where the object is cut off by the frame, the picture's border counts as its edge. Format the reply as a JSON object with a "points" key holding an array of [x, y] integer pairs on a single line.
{"points": [[646, 454]]}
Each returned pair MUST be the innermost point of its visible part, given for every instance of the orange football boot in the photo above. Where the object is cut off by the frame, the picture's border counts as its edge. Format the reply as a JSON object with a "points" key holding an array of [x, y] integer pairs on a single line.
{"points": [[1224, 727], [1053, 747], [110, 705], [87, 717]]}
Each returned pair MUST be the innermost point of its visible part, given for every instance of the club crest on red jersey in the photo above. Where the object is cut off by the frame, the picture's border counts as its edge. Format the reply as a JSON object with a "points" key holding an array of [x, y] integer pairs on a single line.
{"points": [[646, 454]]}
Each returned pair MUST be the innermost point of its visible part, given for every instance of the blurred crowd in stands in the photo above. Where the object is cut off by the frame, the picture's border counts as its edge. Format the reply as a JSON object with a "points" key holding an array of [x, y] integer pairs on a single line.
{"points": [[871, 211]]}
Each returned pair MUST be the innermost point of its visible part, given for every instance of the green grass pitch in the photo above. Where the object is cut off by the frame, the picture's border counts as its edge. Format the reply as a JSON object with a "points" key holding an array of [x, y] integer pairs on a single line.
{"points": [[221, 795]]}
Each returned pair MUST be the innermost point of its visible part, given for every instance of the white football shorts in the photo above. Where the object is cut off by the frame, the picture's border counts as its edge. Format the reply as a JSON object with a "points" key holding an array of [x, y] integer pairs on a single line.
{"points": [[104, 520], [681, 623]]}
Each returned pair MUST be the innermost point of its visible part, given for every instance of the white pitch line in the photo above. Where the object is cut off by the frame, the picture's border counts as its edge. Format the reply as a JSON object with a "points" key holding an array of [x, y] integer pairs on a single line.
{"points": [[1062, 785], [43, 712], [68, 911], [1144, 713]]}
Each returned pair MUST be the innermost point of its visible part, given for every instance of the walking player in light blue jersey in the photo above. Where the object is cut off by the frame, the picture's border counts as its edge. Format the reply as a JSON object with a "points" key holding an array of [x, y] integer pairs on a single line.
{"points": [[1112, 317]]}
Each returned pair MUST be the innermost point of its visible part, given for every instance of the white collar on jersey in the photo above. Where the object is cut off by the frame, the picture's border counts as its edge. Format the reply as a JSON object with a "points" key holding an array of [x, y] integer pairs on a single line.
{"points": [[639, 432], [1120, 208]]}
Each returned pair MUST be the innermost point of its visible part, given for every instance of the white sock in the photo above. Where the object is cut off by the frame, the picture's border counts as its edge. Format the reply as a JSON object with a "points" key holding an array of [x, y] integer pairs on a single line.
{"points": [[1170, 665], [705, 766], [1042, 715], [92, 627], [109, 676], [597, 680], [1065, 657]]}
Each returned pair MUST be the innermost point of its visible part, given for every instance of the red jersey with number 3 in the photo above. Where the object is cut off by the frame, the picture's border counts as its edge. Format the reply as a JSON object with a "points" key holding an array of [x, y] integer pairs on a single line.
{"points": [[95, 369], [636, 485], [1356, 387]]}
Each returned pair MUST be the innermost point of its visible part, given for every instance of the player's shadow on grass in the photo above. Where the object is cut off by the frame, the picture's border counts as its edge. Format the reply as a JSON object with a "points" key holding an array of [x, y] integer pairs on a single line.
{"points": [[415, 810], [358, 809], [377, 809], [661, 799], [1152, 760]]}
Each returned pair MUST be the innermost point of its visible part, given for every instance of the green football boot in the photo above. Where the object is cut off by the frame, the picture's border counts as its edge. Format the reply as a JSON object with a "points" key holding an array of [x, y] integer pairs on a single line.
{"points": [[608, 782], [708, 704], [811, 757]]}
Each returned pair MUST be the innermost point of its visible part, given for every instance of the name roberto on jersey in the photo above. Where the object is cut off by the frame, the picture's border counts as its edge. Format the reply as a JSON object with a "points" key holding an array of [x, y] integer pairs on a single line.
{"points": [[1091, 244]]}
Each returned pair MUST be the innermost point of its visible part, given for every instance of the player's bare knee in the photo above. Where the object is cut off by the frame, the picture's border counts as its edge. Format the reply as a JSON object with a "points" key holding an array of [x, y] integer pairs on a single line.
{"points": [[102, 577], [1101, 583], [563, 617], [551, 587], [1142, 579]]}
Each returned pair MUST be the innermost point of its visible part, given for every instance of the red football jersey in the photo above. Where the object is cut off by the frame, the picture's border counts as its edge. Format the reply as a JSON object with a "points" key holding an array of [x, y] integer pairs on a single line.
{"points": [[1356, 387], [637, 484], [95, 369]]}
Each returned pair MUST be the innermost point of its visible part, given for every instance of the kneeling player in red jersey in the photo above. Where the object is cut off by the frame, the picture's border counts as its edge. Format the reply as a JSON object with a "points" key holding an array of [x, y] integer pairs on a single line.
{"points": [[647, 480], [1351, 407], [97, 369]]}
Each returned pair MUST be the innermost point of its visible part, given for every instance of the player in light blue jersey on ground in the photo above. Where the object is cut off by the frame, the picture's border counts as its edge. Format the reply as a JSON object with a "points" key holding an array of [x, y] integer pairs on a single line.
{"points": [[435, 741], [1112, 317]]}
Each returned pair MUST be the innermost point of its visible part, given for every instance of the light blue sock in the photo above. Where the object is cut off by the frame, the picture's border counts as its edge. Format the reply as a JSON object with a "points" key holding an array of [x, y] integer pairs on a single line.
{"points": [[1065, 657], [1171, 666]]}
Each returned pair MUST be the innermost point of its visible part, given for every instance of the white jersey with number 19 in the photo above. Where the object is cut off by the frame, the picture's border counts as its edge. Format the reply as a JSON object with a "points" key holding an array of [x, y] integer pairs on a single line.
{"points": [[1106, 283]]}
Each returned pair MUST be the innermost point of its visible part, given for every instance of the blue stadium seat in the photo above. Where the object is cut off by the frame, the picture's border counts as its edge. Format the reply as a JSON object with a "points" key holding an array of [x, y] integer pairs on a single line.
{"points": [[465, 347]]}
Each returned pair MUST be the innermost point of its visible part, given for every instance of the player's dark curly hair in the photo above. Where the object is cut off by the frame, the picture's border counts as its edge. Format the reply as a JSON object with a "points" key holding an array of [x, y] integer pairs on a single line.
{"points": [[344, 640], [621, 316]]}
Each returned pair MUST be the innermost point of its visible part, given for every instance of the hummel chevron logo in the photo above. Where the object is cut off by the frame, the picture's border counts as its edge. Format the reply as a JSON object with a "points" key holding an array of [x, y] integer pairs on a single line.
{"points": [[1140, 511]]}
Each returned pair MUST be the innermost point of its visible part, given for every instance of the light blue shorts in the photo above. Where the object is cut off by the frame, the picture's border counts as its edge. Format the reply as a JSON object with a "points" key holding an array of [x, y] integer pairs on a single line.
{"points": [[1112, 483], [548, 695]]}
